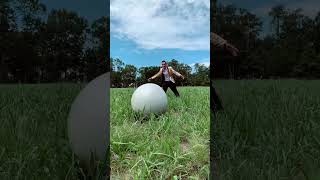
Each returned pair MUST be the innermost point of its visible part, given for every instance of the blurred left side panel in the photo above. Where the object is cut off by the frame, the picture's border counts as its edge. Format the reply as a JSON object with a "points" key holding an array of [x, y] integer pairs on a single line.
{"points": [[54, 91]]}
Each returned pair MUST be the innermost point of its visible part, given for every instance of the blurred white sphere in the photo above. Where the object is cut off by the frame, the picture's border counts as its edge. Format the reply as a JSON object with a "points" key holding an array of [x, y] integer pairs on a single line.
{"points": [[149, 98], [89, 119]]}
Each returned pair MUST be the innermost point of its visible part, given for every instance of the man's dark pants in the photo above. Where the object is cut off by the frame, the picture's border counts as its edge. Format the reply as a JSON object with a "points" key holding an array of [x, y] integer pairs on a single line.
{"points": [[172, 86]]}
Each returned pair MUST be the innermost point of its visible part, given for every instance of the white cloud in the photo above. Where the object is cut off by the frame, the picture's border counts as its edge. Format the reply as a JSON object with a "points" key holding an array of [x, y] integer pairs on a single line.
{"points": [[167, 24]]}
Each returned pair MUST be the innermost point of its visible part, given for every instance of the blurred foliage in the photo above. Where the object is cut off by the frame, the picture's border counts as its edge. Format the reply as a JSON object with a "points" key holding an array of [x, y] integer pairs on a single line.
{"points": [[61, 47], [290, 50], [66, 47]]}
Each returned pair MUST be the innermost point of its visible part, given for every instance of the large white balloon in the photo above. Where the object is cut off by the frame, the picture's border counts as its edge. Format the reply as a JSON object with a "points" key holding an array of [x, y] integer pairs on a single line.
{"points": [[88, 123], [149, 98]]}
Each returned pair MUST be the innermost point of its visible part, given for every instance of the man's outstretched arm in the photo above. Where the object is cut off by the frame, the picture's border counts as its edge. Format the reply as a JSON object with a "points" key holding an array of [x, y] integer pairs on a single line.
{"points": [[155, 76], [177, 73], [222, 43], [217, 40]]}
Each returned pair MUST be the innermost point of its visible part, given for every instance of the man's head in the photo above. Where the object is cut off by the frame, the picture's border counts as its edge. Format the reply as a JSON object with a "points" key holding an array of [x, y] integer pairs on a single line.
{"points": [[163, 64]]}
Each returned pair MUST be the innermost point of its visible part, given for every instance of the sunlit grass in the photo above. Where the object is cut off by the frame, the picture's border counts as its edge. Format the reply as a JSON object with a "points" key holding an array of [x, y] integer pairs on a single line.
{"points": [[175, 144]]}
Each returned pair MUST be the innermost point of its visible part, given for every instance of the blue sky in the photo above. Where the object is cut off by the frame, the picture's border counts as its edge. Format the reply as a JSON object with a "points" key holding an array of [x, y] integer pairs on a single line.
{"points": [[147, 31]]}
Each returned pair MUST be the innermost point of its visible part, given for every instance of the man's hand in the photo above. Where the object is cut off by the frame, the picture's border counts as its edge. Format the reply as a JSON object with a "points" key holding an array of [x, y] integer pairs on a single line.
{"points": [[182, 77], [149, 79]]}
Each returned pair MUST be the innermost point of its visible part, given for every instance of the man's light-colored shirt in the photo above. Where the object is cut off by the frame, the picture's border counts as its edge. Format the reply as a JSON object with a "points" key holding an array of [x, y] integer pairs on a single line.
{"points": [[166, 75]]}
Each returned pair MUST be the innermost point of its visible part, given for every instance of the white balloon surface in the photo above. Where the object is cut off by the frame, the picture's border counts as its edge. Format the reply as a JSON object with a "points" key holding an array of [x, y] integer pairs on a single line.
{"points": [[149, 98], [88, 119]]}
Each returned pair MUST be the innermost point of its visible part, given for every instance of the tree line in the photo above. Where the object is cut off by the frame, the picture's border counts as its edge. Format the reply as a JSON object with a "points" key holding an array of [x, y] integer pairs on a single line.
{"points": [[38, 46], [127, 75], [290, 50]]}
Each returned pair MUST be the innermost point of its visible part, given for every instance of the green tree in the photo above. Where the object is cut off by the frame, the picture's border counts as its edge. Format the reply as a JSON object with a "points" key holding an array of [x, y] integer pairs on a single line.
{"points": [[91, 65], [7, 17], [317, 33], [117, 65], [144, 73], [277, 13], [183, 69], [30, 12], [128, 75], [201, 75], [7, 25], [65, 39], [100, 29]]}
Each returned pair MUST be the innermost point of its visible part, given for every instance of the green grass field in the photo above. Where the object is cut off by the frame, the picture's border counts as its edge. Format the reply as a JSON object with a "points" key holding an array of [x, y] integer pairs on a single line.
{"points": [[33, 132], [174, 145], [269, 130]]}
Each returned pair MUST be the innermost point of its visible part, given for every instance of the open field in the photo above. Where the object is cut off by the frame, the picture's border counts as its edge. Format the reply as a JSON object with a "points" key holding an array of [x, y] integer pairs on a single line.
{"points": [[269, 130], [174, 145], [33, 132]]}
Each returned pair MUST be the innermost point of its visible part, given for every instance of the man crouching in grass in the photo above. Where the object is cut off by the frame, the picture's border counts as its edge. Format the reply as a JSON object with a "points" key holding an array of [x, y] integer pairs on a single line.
{"points": [[167, 78]]}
